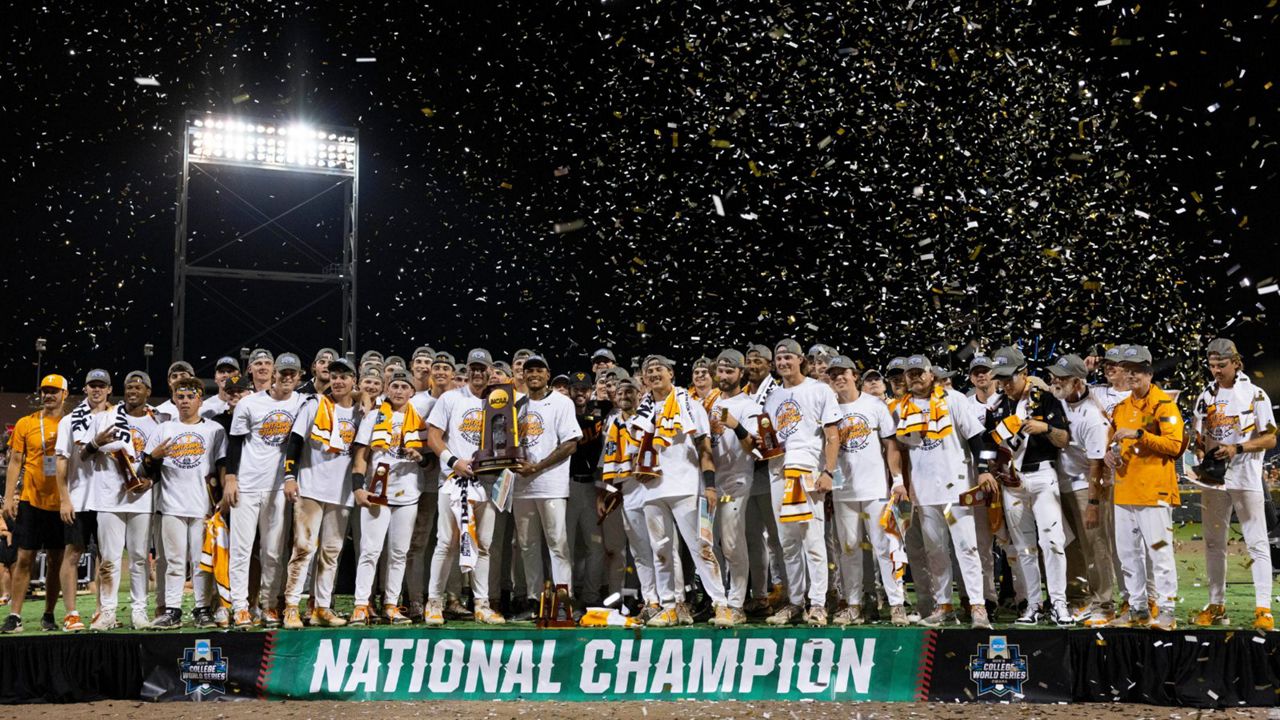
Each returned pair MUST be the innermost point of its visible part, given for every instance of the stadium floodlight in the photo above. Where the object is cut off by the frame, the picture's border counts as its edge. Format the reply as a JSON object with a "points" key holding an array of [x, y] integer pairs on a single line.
{"points": [[269, 145]]}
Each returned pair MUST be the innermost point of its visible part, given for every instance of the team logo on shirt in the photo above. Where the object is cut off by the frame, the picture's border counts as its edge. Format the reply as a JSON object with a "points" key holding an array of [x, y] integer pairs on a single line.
{"points": [[186, 450], [275, 427], [855, 432], [1217, 424], [788, 418], [532, 427], [472, 423], [348, 431], [139, 441]]}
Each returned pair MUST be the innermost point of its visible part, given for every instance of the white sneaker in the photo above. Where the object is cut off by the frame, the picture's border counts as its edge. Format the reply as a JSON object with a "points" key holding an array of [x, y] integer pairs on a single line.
{"points": [[1061, 615], [140, 620], [103, 622]]}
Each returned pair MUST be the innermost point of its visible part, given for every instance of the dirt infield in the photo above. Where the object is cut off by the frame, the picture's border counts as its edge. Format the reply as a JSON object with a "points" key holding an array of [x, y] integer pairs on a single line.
{"points": [[461, 710]]}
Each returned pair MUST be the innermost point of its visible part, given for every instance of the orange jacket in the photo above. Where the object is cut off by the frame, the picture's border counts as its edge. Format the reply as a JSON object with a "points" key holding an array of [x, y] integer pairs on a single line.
{"points": [[1147, 473]]}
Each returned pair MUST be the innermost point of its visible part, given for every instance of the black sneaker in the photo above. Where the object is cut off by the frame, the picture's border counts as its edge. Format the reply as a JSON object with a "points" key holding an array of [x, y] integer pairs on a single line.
{"points": [[48, 624], [171, 618], [12, 624], [203, 618]]}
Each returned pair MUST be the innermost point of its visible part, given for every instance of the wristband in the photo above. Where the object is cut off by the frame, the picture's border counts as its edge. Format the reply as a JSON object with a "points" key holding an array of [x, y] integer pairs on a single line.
{"points": [[448, 459], [897, 480], [1139, 434], [1239, 448], [357, 481], [740, 432], [708, 478], [91, 447], [290, 476]]}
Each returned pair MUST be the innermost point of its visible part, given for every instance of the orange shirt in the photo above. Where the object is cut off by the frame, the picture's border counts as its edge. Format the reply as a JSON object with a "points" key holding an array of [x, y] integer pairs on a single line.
{"points": [[37, 489], [1147, 473]]}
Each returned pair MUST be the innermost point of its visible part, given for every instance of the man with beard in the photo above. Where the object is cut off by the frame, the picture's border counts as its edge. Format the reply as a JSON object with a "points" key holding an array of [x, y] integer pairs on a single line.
{"points": [[733, 420]]}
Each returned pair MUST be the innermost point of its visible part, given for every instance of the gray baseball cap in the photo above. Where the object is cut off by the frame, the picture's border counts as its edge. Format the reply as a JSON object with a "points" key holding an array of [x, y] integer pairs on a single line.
{"points": [[340, 365], [942, 373], [370, 371], [480, 356], [260, 354], [630, 382], [138, 375], [841, 362], [658, 360], [444, 357], [1115, 353], [524, 354], [321, 353], [788, 345], [872, 373], [603, 353], [400, 375], [761, 350], [617, 372], [980, 361], [97, 375], [227, 361], [918, 362], [1069, 366], [504, 367], [1222, 347], [1007, 361], [370, 355], [424, 351], [1138, 354], [395, 360], [181, 366], [289, 361], [732, 358], [896, 366], [702, 362], [822, 350]]}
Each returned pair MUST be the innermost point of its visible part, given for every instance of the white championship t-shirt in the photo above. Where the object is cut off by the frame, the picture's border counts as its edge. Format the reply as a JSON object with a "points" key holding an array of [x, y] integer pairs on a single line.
{"points": [[735, 467], [1221, 422], [191, 457], [679, 461], [267, 423], [940, 468], [324, 475], [83, 474], [460, 415], [110, 495], [799, 414], [404, 481], [863, 424], [212, 406], [544, 425], [1088, 428]]}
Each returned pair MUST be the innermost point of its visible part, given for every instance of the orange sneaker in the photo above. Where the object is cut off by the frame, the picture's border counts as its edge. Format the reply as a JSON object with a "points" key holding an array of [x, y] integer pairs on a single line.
{"points": [[359, 616], [242, 619], [292, 620], [1212, 614], [324, 617], [71, 622], [1263, 620], [394, 615]]}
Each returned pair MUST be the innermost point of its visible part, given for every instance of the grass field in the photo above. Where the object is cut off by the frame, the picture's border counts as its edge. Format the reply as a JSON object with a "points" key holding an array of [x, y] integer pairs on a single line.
{"points": [[1189, 547]]}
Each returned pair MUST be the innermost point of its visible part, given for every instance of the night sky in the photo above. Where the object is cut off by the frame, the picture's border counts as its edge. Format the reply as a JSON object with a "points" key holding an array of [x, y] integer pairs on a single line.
{"points": [[668, 176]]}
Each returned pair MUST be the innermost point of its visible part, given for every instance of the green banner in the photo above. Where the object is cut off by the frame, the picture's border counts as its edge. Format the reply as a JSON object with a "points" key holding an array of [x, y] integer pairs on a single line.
{"points": [[750, 664]]}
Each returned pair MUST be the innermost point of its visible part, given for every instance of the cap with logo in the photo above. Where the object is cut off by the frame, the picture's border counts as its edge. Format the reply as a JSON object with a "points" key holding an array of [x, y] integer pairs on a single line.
{"points": [[896, 366], [1223, 348], [480, 356], [821, 350], [288, 361], [702, 362], [340, 365], [841, 362], [1114, 354], [97, 375], [54, 381], [1008, 361], [445, 357], [760, 350], [980, 361], [400, 375], [261, 354], [139, 376], [235, 383], [580, 380], [325, 351], [1137, 354], [227, 361], [182, 366], [918, 362], [789, 346], [424, 351], [395, 360], [732, 358], [533, 360], [522, 354], [1069, 366], [370, 371], [603, 354]]}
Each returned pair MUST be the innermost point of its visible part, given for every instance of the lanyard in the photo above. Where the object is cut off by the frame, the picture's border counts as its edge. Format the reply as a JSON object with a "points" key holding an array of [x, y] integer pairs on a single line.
{"points": [[43, 450]]}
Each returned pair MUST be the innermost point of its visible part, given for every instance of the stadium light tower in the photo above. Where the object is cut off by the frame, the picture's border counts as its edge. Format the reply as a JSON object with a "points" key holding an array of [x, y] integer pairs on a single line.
{"points": [[210, 141]]}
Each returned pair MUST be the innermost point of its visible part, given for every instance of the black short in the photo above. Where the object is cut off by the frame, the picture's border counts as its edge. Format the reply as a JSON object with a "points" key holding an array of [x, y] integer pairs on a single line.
{"points": [[36, 529], [82, 531], [8, 552]]}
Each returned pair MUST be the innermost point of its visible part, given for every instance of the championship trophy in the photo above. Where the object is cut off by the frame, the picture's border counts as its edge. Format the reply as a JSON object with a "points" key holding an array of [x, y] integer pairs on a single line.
{"points": [[767, 438], [647, 460], [1002, 468], [974, 497], [378, 485], [501, 447], [132, 483], [555, 609]]}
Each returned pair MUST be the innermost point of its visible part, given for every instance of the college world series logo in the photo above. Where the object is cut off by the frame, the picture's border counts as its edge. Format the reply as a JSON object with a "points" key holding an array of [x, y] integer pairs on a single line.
{"points": [[998, 668], [203, 669]]}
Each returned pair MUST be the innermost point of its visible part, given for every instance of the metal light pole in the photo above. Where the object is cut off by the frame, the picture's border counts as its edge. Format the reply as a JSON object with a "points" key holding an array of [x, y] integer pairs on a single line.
{"points": [[41, 346], [147, 351]]}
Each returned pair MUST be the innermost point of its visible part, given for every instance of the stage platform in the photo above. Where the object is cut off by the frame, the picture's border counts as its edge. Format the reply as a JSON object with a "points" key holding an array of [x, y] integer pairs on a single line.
{"points": [[1200, 668]]}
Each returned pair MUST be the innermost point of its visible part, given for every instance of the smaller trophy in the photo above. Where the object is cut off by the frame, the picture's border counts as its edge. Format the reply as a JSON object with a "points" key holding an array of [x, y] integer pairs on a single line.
{"points": [[767, 438], [378, 485], [555, 608], [132, 483], [647, 460]]}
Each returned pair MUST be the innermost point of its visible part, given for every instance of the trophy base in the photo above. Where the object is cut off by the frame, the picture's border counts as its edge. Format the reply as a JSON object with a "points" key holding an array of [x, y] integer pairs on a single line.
{"points": [[495, 465], [378, 500], [776, 453], [645, 476], [555, 609]]}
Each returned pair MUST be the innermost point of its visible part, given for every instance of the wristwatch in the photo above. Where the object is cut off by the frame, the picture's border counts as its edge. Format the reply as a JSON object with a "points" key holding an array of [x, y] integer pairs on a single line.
{"points": [[1239, 448]]}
